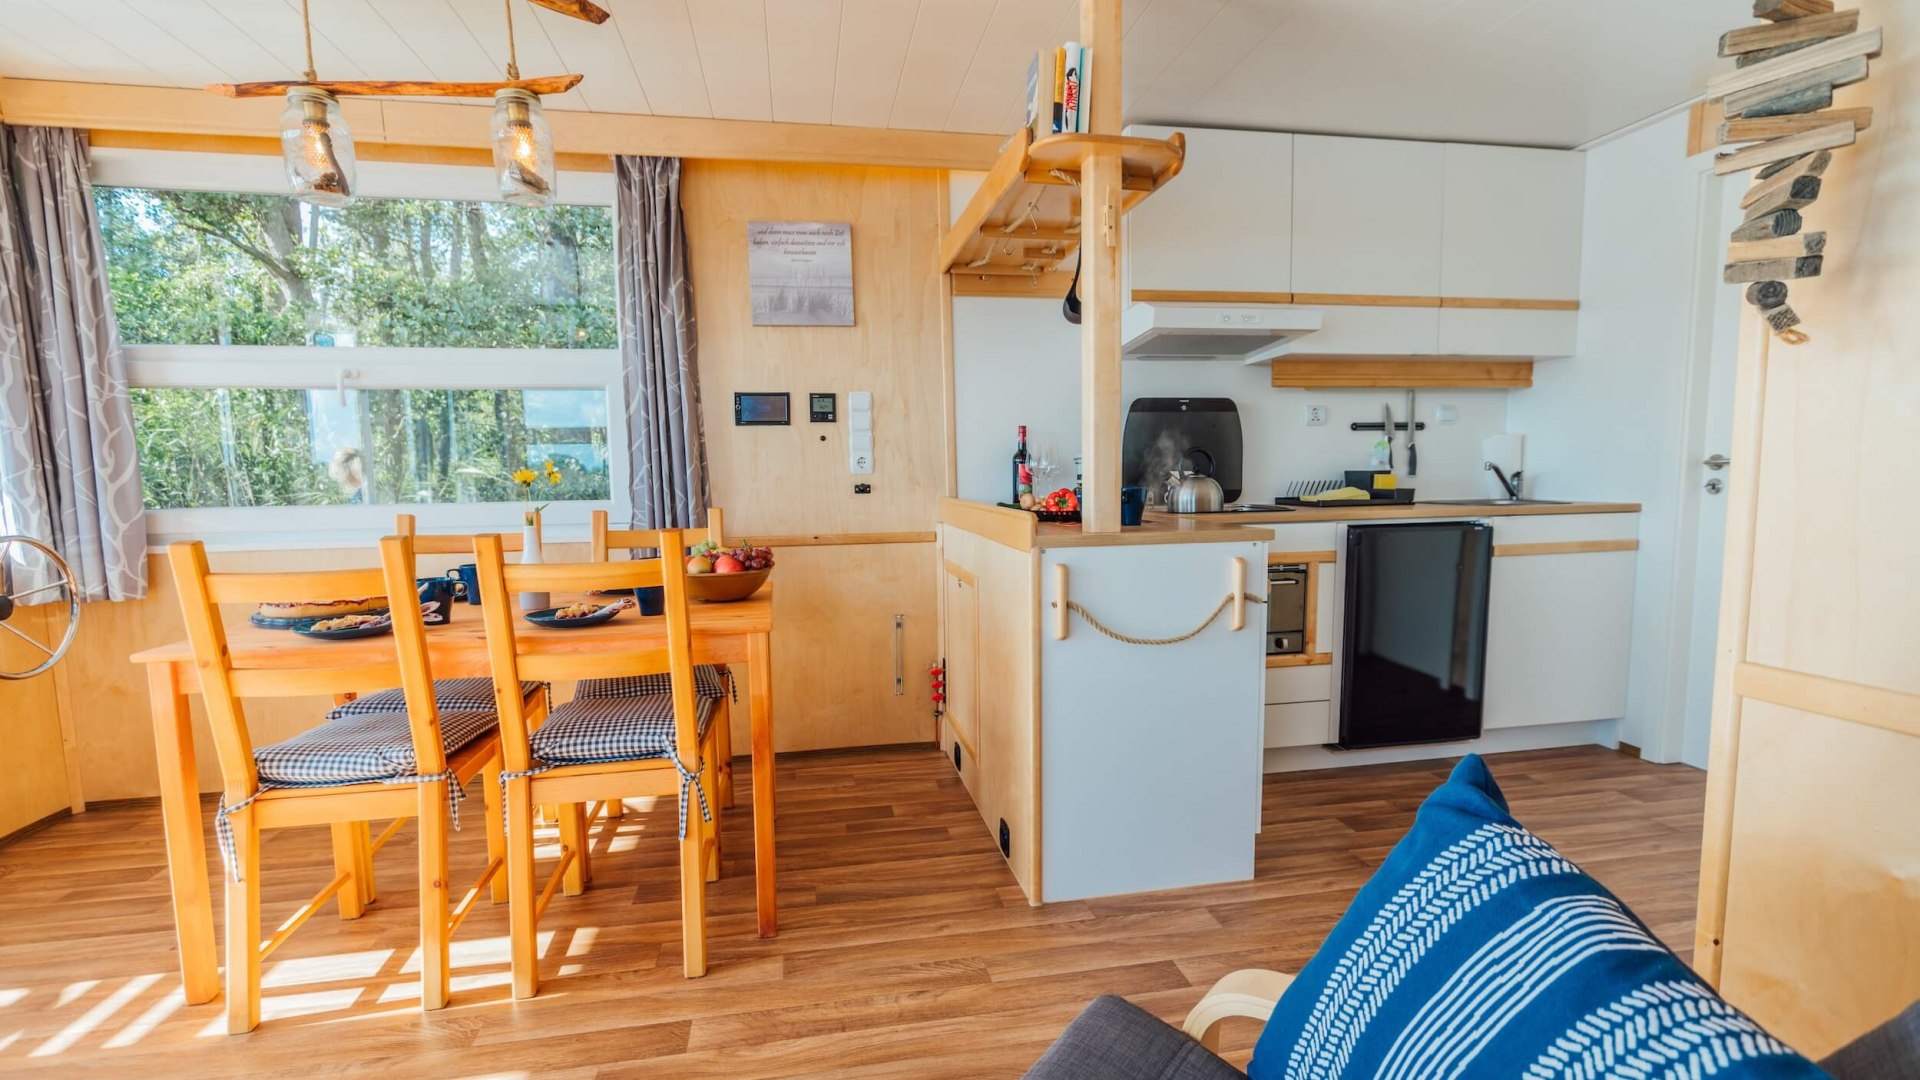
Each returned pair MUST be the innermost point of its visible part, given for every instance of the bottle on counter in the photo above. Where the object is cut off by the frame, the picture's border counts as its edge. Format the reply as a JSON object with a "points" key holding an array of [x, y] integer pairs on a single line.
{"points": [[1077, 475], [1020, 474]]}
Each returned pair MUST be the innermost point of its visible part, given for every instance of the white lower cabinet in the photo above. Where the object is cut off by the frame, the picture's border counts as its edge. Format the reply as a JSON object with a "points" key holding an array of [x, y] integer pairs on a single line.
{"points": [[1299, 723], [1557, 637]]}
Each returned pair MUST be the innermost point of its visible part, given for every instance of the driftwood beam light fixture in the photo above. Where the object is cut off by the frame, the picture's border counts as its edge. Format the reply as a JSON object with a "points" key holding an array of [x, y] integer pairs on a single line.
{"points": [[1779, 117], [319, 149]]}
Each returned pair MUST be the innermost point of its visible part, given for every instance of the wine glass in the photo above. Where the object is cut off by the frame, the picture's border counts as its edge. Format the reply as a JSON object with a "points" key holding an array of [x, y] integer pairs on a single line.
{"points": [[1043, 467]]}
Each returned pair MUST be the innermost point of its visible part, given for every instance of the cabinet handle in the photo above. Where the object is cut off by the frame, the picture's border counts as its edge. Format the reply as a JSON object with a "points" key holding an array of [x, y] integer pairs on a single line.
{"points": [[899, 655]]}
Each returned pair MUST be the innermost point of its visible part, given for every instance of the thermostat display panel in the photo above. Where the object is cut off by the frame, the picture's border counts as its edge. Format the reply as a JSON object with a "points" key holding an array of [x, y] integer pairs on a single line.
{"points": [[762, 409], [820, 408]]}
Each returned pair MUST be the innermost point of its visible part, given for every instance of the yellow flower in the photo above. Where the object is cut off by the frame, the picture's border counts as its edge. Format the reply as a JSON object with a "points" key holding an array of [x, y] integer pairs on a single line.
{"points": [[524, 476], [554, 478]]}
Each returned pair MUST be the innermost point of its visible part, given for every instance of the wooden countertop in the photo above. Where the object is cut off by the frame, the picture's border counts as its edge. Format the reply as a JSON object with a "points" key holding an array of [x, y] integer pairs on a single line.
{"points": [[1022, 531], [1397, 512]]}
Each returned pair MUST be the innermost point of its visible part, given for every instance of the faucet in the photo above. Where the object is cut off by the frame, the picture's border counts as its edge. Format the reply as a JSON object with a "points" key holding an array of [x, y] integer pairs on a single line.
{"points": [[1511, 484]]}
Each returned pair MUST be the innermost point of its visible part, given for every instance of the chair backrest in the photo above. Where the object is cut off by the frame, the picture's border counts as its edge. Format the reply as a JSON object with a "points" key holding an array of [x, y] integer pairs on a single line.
{"points": [[224, 681], [608, 539], [512, 662], [445, 543]]}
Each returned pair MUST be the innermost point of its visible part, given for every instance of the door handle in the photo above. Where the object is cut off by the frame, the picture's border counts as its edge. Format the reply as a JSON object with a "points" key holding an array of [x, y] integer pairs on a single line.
{"points": [[1717, 462]]}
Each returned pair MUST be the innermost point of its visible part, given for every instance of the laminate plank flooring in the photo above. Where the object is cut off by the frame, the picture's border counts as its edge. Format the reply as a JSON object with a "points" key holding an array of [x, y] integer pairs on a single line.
{"points": [[905, 948]]}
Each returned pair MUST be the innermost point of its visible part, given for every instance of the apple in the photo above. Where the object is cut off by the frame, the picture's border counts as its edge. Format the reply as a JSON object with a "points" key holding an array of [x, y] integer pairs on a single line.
{"points": [[699, 564], [727, 564]]}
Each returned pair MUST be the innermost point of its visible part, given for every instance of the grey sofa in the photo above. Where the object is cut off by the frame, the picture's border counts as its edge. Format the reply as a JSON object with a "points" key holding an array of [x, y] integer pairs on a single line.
{"points": [[1113, 1039]]}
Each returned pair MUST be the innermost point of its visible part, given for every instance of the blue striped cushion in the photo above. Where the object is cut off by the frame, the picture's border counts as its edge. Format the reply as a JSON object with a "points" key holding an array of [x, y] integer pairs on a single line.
{"points": [[1479, 950], [592, 730], [452, 695], [706, 684], [361, 748]]}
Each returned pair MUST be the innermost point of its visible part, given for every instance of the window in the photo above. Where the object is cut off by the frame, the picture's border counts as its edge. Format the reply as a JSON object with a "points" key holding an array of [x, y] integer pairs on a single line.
{"points": [[263, 446], [223, 268], [310, 371]]}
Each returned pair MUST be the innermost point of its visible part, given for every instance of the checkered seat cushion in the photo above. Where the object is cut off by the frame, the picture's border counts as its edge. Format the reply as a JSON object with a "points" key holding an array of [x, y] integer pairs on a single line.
{"points": [[361, 748], [452, 695], [592, 730], [706, 685]]}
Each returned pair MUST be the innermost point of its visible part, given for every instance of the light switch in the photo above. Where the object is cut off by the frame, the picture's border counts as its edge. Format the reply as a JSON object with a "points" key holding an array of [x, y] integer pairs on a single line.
{"points": [[860, 432]]}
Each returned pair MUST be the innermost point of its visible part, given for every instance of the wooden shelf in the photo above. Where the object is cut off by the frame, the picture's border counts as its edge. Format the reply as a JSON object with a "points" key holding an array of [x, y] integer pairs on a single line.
{"points": [[1402, 372], [1024, 222]]}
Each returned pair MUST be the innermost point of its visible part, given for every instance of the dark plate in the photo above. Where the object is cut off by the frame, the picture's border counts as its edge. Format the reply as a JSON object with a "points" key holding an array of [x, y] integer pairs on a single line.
{"points": [[295, 624], [384, 626], [544, 617]]}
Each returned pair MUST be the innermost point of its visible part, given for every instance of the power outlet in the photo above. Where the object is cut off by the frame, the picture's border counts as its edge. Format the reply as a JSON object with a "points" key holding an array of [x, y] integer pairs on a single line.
{"points": [[1447, 414], [1316, 416]]}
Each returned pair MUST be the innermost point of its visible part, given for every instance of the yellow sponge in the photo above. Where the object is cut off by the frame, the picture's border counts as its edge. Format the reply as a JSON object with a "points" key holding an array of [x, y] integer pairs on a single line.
{"points": [[1385, 481]]}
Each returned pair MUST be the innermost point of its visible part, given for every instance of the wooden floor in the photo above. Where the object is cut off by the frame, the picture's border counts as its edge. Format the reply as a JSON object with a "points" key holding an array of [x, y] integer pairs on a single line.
{"points": [[905, 949]]}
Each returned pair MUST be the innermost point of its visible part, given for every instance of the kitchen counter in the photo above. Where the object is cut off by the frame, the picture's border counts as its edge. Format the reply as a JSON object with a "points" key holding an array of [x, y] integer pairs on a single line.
{"points": [[1396, 512], [1022, 531]]}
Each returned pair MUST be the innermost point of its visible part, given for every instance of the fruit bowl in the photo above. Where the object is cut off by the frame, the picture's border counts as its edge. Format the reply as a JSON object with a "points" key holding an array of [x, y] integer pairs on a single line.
{"points": [[726, 588]]}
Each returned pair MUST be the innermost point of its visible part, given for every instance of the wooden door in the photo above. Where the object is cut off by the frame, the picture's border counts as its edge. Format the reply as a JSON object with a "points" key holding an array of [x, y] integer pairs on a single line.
{"points": [[1809, 901]]}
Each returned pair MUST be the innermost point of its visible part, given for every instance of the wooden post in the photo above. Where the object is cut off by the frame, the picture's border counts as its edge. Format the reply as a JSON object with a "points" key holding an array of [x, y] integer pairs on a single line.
{"points": [[1100, 299]]}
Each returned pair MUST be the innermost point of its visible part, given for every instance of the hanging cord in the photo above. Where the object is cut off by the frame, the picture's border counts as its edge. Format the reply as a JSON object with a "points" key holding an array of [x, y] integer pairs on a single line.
{"points": [[306, 25], [1074, 606], [513, 53]]}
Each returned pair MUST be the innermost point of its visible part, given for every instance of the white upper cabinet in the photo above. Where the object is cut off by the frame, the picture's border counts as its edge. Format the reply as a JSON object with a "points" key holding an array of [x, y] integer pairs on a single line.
{"points": [[1366, 216], [1225, 224], [1511, 223]]}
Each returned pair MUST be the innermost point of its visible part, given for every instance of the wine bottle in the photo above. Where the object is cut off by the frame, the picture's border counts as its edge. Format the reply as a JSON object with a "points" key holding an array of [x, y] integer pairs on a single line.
{"points": [[1019, 463]]}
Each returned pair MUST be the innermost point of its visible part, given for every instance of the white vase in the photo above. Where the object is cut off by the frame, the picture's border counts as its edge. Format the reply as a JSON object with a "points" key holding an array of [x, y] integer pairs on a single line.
{"points": [[530, 555]]}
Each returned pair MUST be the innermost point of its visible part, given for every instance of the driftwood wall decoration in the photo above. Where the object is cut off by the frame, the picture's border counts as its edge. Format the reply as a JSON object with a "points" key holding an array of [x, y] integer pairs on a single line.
{"points": [[1778, 102]]}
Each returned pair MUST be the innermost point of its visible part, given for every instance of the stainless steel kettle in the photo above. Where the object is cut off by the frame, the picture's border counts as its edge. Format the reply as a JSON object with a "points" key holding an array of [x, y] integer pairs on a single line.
{"points": [[1194, 493]]}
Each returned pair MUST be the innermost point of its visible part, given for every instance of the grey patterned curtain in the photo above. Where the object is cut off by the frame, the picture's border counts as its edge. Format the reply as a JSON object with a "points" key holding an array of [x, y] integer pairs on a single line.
{"points": [[68, 473], [666, 449]]}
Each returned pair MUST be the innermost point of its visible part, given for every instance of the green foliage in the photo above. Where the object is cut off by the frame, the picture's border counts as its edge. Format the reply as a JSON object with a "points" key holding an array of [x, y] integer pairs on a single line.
{"points": [[195, 267]]}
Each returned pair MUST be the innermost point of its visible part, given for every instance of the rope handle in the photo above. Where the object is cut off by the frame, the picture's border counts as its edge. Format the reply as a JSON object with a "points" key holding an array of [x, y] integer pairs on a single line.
{"points": [[1075, 607]]}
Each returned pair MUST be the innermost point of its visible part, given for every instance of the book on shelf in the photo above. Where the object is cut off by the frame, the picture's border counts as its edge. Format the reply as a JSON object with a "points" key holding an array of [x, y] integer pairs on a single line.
{"points": [[1070, 96], [1059, 89], [1082, 118]]}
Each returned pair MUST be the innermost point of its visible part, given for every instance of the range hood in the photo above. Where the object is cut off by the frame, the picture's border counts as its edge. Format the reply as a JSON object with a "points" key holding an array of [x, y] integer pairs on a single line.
{"points": [[1249, 333]]}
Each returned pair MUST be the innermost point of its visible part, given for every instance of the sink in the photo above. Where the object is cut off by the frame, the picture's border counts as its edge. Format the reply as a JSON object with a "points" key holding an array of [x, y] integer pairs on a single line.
{"points": [[1496, 502]]}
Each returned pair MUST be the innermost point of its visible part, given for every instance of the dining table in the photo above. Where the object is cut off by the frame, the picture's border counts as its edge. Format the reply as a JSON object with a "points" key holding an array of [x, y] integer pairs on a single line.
{"points": [[737, 634]]}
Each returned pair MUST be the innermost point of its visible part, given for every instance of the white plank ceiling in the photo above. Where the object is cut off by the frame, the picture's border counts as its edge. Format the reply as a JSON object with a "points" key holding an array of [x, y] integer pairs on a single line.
{"points": [[1529, 72]]}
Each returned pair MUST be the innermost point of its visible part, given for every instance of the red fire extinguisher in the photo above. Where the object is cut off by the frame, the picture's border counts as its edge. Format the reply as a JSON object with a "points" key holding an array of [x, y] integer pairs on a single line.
{"points": [[937, 676]]}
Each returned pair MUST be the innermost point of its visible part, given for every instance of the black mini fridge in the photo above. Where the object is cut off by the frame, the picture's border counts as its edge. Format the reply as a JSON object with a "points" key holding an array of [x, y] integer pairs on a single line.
{"points": [[1414, 635]]}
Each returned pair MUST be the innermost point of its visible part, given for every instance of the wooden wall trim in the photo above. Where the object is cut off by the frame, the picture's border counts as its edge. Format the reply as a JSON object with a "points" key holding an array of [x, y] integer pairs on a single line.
{"points": [[1048, 286], [840, 539], [177, 111], [1200, 296], [1857, 703], [1564, 547]]}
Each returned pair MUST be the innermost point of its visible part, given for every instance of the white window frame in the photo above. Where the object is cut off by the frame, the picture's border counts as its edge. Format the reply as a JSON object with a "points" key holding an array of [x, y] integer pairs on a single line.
{"points": [[308, 367]]}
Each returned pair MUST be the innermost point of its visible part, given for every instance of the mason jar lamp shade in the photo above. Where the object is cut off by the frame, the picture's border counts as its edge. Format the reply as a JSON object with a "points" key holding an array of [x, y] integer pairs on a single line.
{"points": [[522, 148], [318, 147]]}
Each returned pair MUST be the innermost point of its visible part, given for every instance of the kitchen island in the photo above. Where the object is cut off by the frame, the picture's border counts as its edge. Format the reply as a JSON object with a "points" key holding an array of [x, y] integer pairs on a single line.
{"points": [[1102, 765]]}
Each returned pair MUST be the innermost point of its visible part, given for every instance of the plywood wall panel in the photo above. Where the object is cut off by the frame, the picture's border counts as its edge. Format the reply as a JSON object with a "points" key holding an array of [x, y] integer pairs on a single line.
{"points": [[1819, 931], [1823, 905], [36, 763]]}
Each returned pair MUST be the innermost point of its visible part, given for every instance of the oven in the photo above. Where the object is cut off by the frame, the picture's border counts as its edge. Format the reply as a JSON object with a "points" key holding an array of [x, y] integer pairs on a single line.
{"points": [[1286, 609]]}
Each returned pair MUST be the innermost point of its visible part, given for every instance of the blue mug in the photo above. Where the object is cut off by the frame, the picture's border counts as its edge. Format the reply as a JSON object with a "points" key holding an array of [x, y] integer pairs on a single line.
{"points": [[436, 599], [652, 600], [466, 579], [1133, 503]]}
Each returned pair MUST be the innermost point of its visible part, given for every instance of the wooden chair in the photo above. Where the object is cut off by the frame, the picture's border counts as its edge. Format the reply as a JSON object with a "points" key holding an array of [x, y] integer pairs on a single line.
{"points": [[714, 680], [446, 543], [537, 748], [341, 773]]}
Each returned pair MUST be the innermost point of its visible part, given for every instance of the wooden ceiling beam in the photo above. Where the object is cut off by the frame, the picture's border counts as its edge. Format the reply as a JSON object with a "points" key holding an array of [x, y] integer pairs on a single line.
{"points": [[543, 85], [443, 124]]}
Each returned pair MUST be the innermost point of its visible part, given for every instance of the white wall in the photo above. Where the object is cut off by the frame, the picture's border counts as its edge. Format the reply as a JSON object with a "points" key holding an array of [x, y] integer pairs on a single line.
{"points": [[1611, 421], [1018, 362]]}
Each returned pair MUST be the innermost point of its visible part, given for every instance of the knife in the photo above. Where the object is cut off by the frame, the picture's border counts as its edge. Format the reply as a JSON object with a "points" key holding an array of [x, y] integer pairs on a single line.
{"points": [[1413, 424], [1386, 423]]}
